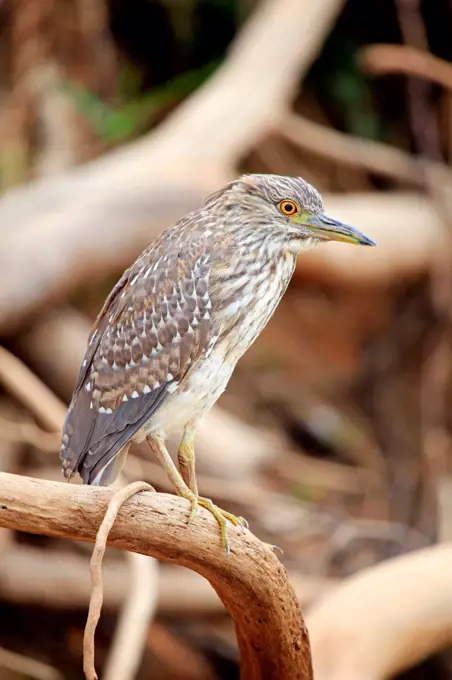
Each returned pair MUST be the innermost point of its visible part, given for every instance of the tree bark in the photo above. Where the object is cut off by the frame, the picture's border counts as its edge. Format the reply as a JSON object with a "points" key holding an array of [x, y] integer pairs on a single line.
{"points": [[252, 583]]}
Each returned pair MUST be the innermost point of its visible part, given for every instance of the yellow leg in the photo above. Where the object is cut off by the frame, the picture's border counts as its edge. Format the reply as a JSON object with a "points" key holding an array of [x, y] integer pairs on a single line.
{"points": [[157, 444], [186, 459]]}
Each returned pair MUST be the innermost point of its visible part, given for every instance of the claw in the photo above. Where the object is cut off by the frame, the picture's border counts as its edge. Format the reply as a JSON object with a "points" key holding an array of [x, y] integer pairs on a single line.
{"points": [[222, 517], [243, 522], [194, 508], [274, 548]]}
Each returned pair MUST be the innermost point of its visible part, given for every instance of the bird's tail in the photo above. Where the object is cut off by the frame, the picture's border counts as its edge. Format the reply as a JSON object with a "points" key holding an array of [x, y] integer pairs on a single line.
{"points": [[111, 470], [87, 448]]}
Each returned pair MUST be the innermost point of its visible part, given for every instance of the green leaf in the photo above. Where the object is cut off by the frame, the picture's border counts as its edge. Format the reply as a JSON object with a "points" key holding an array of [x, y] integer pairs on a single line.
{"points": [[117, 125]]}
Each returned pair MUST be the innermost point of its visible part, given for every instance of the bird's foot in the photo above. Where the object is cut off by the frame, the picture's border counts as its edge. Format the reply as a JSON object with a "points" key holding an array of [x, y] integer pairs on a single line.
{"points": [[222, 517], [274, 548]]}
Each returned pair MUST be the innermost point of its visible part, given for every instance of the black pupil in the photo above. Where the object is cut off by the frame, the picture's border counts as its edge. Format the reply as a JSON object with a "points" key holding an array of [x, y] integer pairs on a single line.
{"points": [[288, 207]]}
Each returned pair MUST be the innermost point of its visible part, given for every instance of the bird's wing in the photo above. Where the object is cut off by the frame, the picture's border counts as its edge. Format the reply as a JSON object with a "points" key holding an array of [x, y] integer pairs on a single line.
{"points": [[152, 329]]}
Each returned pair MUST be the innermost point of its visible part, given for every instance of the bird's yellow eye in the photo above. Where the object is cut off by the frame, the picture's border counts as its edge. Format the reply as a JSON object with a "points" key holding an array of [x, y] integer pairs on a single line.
{"points": [[288, 207]]}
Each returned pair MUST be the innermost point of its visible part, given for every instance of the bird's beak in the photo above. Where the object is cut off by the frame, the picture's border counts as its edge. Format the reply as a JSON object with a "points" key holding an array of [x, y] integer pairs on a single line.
{"points": [[326, 228]]}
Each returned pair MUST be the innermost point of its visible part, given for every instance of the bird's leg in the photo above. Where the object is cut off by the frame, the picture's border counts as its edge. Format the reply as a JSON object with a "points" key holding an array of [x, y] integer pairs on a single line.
{"points": [[186, 459], [157, 444]]}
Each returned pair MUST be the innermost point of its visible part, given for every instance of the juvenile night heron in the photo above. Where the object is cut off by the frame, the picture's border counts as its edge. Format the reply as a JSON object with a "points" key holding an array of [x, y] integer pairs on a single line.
{"points": [[173, 328]]}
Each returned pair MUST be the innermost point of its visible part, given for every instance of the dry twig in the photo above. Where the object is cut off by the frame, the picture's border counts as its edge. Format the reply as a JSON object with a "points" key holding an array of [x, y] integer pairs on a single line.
{"points": [[42, 402], [95, 605], [349, 150], [139, 606], [252, 583], [380, 60], [136, 615]]}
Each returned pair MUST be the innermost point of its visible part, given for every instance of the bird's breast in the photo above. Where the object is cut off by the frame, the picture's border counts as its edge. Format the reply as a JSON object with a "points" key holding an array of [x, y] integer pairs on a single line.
{"points": [[195, 395], [244, 311], [247, 310]]}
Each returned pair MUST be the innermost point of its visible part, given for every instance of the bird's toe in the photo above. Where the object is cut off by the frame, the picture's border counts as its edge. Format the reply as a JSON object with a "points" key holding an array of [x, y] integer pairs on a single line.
{"points": [[222, 517]]}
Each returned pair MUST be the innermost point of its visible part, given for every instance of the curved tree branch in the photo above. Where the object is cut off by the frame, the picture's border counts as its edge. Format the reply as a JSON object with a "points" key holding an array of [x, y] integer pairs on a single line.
{"points": [[251, 583], [380, 60], [349, 150]]}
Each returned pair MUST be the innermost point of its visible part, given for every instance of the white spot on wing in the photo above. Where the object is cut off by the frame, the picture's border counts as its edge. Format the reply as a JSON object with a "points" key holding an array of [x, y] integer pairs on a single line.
{"points": [[233, 308]]}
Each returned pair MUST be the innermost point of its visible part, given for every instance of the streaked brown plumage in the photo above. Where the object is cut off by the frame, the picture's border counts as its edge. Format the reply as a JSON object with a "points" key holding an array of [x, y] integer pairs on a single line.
{"points": [[174, 326]]}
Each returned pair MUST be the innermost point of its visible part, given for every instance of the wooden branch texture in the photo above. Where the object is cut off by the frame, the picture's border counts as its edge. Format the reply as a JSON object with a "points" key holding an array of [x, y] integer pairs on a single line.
{"points": [[252, 583]]}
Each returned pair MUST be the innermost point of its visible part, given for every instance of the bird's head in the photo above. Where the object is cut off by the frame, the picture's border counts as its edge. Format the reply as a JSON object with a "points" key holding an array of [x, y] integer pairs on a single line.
{"points": [[291, 207]]}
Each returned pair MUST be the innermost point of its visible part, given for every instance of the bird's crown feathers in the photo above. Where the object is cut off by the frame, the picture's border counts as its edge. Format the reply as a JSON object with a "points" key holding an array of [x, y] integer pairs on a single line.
{"points": [[273, 188]]}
